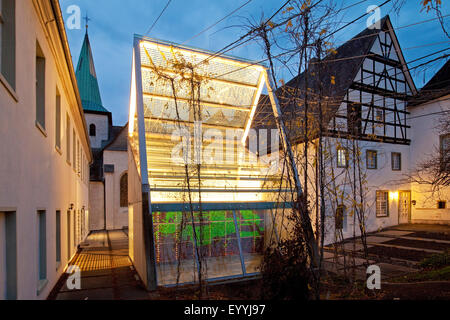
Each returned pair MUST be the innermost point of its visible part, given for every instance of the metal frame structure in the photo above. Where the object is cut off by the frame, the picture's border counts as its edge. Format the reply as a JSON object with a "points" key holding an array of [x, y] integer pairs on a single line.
{"points": [[153, 194]]}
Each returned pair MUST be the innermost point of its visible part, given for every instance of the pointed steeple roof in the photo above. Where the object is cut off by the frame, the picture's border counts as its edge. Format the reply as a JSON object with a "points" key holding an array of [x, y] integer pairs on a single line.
{"points": [[87, 80]]}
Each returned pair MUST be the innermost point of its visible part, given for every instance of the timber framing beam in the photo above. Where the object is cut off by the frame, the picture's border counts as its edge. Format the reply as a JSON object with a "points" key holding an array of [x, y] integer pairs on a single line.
{"points": [[205, 103]]}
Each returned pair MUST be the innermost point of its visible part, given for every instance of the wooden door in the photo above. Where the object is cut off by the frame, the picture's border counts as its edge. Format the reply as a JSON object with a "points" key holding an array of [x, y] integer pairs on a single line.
{"points": [[404, 207]]}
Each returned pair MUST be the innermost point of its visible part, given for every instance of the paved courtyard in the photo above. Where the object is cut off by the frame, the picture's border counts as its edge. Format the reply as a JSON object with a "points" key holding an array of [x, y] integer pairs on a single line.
{"points": [[106, 271], [397, 250]]}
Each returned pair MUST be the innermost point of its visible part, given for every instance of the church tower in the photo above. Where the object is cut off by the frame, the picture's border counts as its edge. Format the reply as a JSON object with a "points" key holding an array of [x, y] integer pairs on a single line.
{"points": [[98, 118], [108, 186]]}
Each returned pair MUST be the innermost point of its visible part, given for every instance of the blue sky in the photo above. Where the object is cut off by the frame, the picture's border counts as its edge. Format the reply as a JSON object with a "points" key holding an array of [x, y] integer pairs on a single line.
{"points": [[114, 22]]}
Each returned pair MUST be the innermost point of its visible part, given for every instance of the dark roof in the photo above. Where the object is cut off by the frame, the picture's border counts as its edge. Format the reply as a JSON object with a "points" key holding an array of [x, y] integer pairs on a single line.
{"points": [[87, 80], [117, 142], [330, 79], [436, 88], [120, 141]]}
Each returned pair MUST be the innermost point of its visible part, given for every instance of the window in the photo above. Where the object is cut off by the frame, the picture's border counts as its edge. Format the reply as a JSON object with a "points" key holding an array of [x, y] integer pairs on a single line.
{"points": [[58, 237], [124, 191], [354, 119], [8, 253], [68, 139], [78, 170], [69, 236], [92, 130], [382, 204], [40, 87], [379, 115], [445, 152], [58, 121], [8, 41], [74, 152], [396, 159], [342, 158], [442, 204], [371, 158], [340, 220], [42, 246]]}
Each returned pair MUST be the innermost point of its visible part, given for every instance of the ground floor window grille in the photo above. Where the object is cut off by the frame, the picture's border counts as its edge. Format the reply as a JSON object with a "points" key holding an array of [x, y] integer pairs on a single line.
{"points": [[382, 204]]}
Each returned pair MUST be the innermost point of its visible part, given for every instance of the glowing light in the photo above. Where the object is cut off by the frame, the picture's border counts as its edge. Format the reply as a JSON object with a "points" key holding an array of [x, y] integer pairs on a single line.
{"points": [[133, 101], [394, 195], [254, 106]]}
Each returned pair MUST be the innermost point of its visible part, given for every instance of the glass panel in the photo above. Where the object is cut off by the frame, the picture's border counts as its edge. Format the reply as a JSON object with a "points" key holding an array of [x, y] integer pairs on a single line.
{"points": [[252, 228], [175, 245]]}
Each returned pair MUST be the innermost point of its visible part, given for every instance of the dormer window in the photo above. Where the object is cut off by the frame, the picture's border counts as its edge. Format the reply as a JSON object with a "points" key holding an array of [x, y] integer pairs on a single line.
{"points": [[92, 130]]}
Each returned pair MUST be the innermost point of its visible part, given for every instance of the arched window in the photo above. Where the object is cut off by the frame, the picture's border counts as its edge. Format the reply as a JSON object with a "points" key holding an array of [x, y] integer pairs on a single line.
{"points": [[124, 191], [92, 130]]}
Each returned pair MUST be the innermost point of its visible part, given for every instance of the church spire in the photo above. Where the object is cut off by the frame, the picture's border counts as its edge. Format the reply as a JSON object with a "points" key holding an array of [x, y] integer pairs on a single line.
{"points": [[86, 18], [87, 78]]}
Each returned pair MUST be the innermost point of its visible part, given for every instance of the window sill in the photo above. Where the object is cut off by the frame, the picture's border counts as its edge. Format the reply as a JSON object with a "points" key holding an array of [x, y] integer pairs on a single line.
{"points": [[41, 286], [8, 88], [42, 130]]}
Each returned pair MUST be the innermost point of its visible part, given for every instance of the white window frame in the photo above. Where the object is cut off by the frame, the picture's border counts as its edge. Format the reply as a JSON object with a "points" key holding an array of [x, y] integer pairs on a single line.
{"points": [[393, 155], [342, 153], [375, 153], [382, 204]]}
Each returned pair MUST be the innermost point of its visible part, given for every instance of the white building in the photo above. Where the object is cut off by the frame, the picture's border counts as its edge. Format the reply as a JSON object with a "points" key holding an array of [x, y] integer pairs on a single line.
{"points": [[108, 176], [429, 140], [366, 89], [44, 150]]}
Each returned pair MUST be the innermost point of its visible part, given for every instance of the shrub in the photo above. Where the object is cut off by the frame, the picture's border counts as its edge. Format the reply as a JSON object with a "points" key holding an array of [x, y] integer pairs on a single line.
{"points": [[284, 271], [436, 261]]}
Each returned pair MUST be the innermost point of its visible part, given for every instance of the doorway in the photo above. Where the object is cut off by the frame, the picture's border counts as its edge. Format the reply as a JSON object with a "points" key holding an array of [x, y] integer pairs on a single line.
{"points": [[404, 207], [69, 246]]}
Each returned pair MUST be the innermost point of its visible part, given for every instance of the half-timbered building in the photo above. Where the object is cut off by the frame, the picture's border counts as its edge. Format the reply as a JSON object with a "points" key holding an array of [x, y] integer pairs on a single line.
{"points": [[355, 101]]}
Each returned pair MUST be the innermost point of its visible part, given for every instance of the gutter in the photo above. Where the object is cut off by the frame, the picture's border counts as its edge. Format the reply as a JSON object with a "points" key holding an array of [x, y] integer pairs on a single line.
{"points": [[56, 9]]}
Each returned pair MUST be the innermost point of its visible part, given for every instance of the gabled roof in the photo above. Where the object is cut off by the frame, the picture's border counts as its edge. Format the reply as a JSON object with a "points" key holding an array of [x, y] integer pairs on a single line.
{"points": [[87, 80], [120, 140], [436, 88], [330, 79]]}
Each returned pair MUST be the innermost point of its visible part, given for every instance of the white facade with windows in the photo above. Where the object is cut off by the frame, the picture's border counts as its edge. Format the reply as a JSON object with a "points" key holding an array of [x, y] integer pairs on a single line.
{"points": [[429, 206], [44, 203]]}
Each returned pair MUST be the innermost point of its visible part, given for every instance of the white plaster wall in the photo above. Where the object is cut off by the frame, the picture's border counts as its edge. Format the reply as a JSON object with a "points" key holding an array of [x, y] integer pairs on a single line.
{"points": [[425, 137], [97, 206], [116, 217], [102, 128], [135, 233], [382, 178], [33, 174]]}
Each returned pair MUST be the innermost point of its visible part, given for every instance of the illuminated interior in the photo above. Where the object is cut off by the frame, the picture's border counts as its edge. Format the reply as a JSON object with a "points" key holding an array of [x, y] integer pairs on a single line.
{"points": [[224, 100]]}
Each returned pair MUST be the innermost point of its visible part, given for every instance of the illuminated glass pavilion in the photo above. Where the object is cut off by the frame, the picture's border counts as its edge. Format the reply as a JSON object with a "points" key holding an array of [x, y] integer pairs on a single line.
{"points": [[196, 192]]}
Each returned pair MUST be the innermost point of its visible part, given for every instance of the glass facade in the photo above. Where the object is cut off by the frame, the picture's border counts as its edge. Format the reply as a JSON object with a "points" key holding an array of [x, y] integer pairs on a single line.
{"points": [[211, 198]]}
